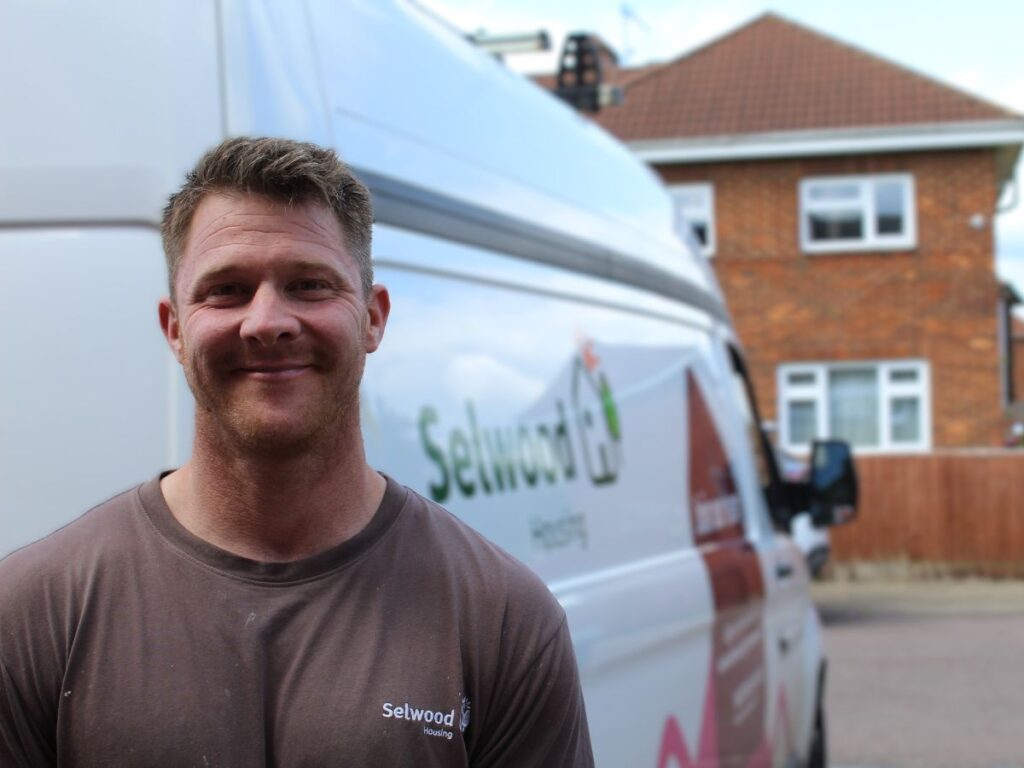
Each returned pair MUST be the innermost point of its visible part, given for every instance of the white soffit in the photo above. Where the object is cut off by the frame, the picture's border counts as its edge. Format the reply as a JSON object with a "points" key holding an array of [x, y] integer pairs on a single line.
{"points": [[844, 141]]}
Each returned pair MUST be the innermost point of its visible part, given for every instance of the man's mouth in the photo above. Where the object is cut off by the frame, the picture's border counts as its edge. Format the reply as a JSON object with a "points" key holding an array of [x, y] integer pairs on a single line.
{"points": [[273, 371]]}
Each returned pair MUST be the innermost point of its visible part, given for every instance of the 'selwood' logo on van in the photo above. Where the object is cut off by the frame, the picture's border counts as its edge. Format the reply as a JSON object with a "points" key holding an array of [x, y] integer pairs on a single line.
{"points": [[492, 460]]}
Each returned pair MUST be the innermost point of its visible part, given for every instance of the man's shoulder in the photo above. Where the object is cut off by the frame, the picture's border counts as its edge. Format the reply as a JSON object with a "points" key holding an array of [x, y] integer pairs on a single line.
{"points": [[455, 541], [516, 645], [456, 555], [77, 547]]}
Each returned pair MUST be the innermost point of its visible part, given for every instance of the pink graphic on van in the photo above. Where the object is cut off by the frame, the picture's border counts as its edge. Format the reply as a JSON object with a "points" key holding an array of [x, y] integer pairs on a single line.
{"points": [[674, 753], [735, 707], [734, 570]]}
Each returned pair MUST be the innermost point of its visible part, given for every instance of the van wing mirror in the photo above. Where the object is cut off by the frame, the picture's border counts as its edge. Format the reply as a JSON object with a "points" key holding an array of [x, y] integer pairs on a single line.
{"points": [[832, 484]]}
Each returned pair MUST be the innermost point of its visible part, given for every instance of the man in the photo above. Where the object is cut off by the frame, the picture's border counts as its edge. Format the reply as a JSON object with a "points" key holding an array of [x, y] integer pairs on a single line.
{"points": [[275, 601]]}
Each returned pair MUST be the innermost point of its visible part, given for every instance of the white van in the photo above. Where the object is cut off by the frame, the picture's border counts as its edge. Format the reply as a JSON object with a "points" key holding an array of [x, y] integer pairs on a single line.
{"points": [[559, 370]]}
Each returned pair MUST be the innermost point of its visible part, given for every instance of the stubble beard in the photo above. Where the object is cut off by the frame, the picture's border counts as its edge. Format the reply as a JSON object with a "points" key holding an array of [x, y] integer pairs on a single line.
{"points": [[236, 425]]}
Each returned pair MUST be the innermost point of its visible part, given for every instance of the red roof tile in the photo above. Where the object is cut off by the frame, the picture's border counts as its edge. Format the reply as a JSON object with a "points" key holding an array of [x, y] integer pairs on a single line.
{"points": [[775, 75]]}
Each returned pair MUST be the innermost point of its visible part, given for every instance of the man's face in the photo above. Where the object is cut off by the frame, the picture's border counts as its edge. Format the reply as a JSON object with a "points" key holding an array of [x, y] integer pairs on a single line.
{"points": [[270, 323]]}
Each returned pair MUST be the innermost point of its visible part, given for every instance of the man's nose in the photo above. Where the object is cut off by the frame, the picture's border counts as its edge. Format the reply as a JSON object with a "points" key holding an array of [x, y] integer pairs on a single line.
{"points": [[269, 318]]}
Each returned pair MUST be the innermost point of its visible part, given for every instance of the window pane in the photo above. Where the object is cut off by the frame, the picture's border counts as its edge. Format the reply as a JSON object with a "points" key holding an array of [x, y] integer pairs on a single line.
{"points": [[688, 199], [834, 192], [889, 207], [903, 375], [803, 421], [906, 419], [753, 430], [694, 205], [837, 225], [800, 379], [853, 405]]}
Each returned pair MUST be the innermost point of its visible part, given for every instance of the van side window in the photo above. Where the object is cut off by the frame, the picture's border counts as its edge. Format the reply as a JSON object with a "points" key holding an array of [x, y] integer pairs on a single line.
{"points": [[767, 469]]}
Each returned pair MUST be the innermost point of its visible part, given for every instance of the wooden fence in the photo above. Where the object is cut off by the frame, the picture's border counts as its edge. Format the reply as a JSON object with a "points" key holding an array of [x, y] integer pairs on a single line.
{"points": [[946, 513]]}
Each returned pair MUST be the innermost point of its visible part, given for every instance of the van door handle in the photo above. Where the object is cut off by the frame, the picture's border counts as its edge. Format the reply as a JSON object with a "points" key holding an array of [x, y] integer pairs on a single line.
{"points": [[783, 570]]}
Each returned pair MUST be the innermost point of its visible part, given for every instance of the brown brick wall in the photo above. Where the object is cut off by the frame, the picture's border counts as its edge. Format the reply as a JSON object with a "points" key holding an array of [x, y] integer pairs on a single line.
{"points": [[936, 302], [1018, 369]]}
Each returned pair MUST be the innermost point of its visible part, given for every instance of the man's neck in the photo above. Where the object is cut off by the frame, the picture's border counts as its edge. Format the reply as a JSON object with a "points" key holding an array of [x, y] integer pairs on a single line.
{"points": [[274, 509]]}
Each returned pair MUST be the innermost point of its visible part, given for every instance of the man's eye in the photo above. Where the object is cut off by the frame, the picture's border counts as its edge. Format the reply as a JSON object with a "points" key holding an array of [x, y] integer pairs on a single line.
{"points": [[229, 290], [311, 285]]}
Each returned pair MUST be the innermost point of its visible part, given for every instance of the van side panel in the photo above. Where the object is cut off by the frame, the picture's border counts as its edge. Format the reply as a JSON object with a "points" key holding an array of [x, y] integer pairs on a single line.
{"points": [[553, 422], [88, 388], [106, 105], [402, 95], [561, 420], [272, 83]]}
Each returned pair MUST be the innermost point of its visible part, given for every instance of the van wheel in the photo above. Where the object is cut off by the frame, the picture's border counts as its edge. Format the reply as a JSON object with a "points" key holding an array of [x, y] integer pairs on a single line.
{"points": [[818, 756]]}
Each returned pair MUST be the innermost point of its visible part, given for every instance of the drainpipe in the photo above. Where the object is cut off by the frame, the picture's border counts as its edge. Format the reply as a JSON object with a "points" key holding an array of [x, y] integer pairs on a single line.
{"points": [[1007, 299]]}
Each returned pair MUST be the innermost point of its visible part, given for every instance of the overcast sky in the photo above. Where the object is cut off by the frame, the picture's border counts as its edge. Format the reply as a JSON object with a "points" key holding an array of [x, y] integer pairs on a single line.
{"points": [[975, 45]]}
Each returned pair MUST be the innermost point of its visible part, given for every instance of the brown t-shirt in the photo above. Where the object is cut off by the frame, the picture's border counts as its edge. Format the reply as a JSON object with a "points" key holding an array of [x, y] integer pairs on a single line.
{"points": [[127, 641]]}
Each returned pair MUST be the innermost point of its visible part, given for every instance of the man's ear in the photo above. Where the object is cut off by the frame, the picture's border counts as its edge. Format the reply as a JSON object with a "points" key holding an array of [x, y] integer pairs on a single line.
{"points": [[169, 325], [378, 307]]}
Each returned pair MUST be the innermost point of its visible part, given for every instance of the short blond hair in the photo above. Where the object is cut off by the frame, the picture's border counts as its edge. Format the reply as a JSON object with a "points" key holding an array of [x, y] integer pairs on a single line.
{"points": [[282, 170]]}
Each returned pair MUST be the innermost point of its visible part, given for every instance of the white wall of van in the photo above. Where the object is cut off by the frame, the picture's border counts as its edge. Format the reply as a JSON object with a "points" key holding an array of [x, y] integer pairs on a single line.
{"points": [[559, 370]]}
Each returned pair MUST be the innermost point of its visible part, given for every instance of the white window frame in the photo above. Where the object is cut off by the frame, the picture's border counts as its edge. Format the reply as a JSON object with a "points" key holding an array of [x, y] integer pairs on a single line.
{"points": [[703, 212], [871, 240], [817, 391]]}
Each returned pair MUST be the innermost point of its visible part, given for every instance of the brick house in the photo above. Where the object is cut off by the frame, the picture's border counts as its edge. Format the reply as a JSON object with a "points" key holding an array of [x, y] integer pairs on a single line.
{"points": [[846, 204]]}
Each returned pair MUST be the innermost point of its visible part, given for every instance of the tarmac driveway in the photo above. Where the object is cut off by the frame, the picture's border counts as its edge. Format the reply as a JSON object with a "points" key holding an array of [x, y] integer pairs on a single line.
{"points": [[926, 674]]}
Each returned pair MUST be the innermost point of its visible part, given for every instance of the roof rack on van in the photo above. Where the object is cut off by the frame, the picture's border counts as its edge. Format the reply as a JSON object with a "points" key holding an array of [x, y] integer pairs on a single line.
{"points": [[501, 45]]}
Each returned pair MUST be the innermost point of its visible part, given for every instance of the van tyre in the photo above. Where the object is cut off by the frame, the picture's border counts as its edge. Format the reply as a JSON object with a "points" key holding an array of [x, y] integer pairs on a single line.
{"points": [[818, 756]]}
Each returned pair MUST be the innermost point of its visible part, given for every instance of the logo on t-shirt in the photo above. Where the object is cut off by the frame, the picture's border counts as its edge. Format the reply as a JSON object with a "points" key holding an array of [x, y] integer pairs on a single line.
{"points": [[435, 722]]}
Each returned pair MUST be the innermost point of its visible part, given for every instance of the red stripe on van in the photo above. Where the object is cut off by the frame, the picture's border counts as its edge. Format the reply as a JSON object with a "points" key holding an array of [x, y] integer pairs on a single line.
{"points": [[737, 692]]}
